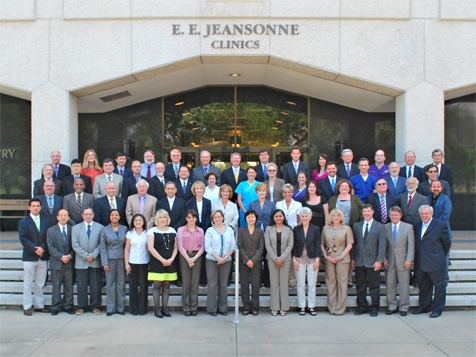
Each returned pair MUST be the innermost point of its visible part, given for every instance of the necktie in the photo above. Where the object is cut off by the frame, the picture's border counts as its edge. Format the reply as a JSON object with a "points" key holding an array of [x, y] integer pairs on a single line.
{"points": [[205, 170], [37, 222], [265, 174], [111, 200], [89, 231], [296, 168], [410, 174], [236, 175], [56, 170], [184, 187], [176, 171], [366, 232], [120, 172], [394, 233], [141, 204], [148, 172], [348, 170], [64, 233], [75, 178], [162, 182], [423, 230], [333, 184], [109, 178], [50, 205], [383, 209], [79, 203], [409, 201], [395, 183]]}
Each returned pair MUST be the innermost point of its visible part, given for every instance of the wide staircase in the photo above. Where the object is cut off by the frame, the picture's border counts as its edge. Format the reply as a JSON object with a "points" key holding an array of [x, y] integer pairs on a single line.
{"points": [[461, 290]]}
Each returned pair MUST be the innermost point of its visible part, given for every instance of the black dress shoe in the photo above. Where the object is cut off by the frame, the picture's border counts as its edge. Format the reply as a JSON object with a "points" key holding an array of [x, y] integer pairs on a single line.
{"points": [[134, 314], [361, 312], [122, 313], [193, 313], [403, 313], [374, 313], [71, 311], [166, 313], [391, 312], [109, 314], [187, 313], [212, 314], [418, 311], [54, 312], [158, 314], [435, 314], [223, 313]]}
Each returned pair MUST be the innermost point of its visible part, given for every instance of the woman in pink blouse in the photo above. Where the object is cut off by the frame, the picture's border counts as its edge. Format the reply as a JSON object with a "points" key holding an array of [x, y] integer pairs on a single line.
{"points": [[320, 173]]}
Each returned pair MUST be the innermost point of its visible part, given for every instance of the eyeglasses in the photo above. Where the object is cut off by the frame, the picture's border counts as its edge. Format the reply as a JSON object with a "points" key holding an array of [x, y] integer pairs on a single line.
{"points": [[271, 170], [381, 184], [432, 172]]}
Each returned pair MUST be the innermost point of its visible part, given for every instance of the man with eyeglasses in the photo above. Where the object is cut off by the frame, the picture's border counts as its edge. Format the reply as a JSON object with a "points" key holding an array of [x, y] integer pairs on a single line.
{"points": [[381, 201], [431, 172]]}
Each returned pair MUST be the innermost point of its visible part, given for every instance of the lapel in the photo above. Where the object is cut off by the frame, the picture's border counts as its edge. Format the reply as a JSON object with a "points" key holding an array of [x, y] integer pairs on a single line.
{"points": [[430, 227], [309, 235], [400, 233]]}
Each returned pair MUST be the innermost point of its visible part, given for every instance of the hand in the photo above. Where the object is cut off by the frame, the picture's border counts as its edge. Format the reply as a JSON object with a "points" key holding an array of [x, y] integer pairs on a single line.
{"points": [[89, 258], [278, 263], [39, 251], [65, 259], [106, 268], [128, 268], [353, 263], [385, 263], [377, 266], [316, 265], [408, 264], [166, 262], [190, 265], [296, 266], [250, 264]]}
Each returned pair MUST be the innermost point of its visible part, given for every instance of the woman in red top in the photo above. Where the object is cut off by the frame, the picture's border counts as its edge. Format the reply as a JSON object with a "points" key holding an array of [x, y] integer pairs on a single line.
{"points": [[91, 166]]}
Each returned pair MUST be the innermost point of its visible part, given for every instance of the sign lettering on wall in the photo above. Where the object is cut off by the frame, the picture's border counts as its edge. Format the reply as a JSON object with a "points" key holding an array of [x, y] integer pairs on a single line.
{"points": [[249, 33], [7, 153]]}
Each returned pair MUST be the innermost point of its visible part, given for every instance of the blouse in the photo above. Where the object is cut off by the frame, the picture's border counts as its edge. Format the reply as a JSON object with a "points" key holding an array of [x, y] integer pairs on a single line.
{"points": [[291, 213], [316, 177], [188, 240], [212, 195], [231, 213], [139, 252], [92, 173], [218, 243]]}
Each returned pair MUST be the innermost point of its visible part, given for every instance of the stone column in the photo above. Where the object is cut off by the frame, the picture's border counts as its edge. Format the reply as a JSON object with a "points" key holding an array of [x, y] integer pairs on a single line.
{"points": [[54, 126], [420, 122]]}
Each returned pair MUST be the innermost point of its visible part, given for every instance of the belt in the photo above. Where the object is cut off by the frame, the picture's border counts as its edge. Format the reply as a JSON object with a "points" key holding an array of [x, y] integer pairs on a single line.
{"points": [[192, 251]]}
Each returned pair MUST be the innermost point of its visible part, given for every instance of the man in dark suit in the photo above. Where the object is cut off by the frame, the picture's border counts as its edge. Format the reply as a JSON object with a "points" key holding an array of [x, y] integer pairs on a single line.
{"points": [[172, 170], [60, 171], [432, 244], [121, 168], [431, 174], [444, 171], [32, 234], [410, 169], [76, 202], [50, 203], [157, 182], [47, 175], [410, 202], [61, 264], [441, 204], [129, 184], [262, 167], [68, 181], [395, 183], [369, 253], [292, 168], [205, 167], [327, 186], [347, 169], [102, 206], [234, 174], [381, 201], [184, 184]]}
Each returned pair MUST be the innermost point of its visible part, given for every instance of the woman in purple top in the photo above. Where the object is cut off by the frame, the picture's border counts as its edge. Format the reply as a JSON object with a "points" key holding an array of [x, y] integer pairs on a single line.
{"points": [[320, 173], [301, 187]]}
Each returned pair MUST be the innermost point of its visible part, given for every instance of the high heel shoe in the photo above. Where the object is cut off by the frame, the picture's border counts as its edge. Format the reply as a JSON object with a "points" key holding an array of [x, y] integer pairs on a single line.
{"points": [[166, 313], [158, 314]]}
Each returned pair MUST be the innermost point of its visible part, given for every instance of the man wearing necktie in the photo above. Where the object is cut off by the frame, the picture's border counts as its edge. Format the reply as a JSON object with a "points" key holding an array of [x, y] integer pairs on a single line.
{"points": [[205, 167], [147, 167], [432, 244], [347, 169], [129, 184], [60, 170], [410, 201], [410, 169], [327, 186], [184, 184], [157, 182], [108, 176], [77, 201], [102, 206], [121, 168], [50, 203], [398, 261], [395, 183], [261, 168], [229, 175], [47, 175], [291, 169], [141, 203], [382, 201], [68, 181]]}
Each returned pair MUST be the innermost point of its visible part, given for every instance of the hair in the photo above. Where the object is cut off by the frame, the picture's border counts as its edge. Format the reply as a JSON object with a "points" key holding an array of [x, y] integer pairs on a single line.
{"points": [[197, 184], [264, 150], [120, 154], [45, 165], [34, 199], [226, 187], [261, 186], [368, 205], [141, 181], [325, 157], [88, 208], [250, 168], [107, 160], [300, 173], [430, 166], [212, 216], [425, 206], [432, 182], [339, 184], [96, 161], [114, 210], [364, 159], [287, 186], [171, 183], [211, 173], [333, 212], [396, 209], [192, 213], [330, 163], [306, 196], [161, 213], [235, 153], [76, 161], [271, 220], [306, 211], [150, 152], [144, 223], [346, 150], [295, 147], [437, 151], [413, 178], [272, 164], [251, 212]]}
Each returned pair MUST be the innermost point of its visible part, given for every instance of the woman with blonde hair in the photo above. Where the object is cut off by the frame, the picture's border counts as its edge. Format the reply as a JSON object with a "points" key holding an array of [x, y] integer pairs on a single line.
{"points": [[275, 184], [91, 166]]}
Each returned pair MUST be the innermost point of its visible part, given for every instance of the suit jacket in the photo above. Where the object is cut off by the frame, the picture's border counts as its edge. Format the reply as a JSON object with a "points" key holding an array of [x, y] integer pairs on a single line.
{"points": [[287, 243], [67, 186], [112, 246], [100, 185], [102, 209], [70, 204], [374, 199], [228, 178], [401, 250], [260, 174], [127, 172], [155, 187], [417, 172], [424, 188], [410, 214], [289, 174], [57, 205], [401, 185], [30, 237], [133, 207], [325, 188], [446, 174], [277, 190], [250, 245], [199, 174], [170, 173], [129, 186], [372, 249], [264, 213], [206, 220], [63, 171], [342, 172], [431, 250], [188, 192], [177, 213], [38, 187], [312, 241], [58, 247], [84, 246], [442, 210]]}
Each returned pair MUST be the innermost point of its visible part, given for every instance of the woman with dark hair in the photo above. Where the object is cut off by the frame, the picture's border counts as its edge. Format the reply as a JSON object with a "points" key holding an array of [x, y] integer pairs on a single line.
{"points": [[279, 240], [315, 203], [191, 245], [300, 189], [246, 193], [321, 171], [250, 244], [212, 190], [136, 258], [111, 245]]}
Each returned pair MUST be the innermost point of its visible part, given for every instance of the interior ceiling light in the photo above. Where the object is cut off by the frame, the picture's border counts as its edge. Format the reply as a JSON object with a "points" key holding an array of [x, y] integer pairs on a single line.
{"points": [[291, 103], [185, 114], [285, 113], [179, 103], [279, 121], [235, 75]]}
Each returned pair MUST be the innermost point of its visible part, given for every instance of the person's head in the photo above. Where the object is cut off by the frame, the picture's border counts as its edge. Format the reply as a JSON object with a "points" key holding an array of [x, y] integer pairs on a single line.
{"points": [[90, 159], [263, 156], [175, 156], [336, 215], [251, 217], [159, 169], [198, 188], [55, 157], [379, 157], [426, 212], [184, 173], [394, 169], [347, 156], [432, 172], [225, 192], [120, 158], [205, 158], [136, 167], [170, 189], [412, 184], [114, 216], [409, 158], [437, 156], [331, 169], [108, 166], [78, 185], [217, 216], [312, 189], [48, 171], [364, 166], [76, 167], [191, 216], [251, 173], [272, 169], [49, 188], [322, 161], [343, 187], [436, 187], [296, 153], [211, 178], [110, 189], [88, 215], [368, 212], [287, 191], [235, 159], [305, 214], [62, 217], [149, 157], [138, 221], [395, 214], [261, 190], [301, 178], [162, 218], [381, 186], [278, 217], [34, 206], [142, 187]]}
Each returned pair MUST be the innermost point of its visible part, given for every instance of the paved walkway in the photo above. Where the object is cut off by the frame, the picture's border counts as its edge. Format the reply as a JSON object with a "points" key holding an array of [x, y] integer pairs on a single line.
{"points": [[453, 334]]}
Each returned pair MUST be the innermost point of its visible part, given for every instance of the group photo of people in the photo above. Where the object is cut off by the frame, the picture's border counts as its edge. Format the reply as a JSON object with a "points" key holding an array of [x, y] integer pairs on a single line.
{"points": [[152, 225]]}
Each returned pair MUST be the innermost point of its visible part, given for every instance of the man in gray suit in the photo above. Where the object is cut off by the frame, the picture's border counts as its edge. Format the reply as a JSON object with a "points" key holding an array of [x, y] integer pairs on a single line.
{"points": [[206, 167], [61, 264], [108, 175], [398, 261], [77, 201], [85, 237], [141, 203], [369, 253], [411, 201]]}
